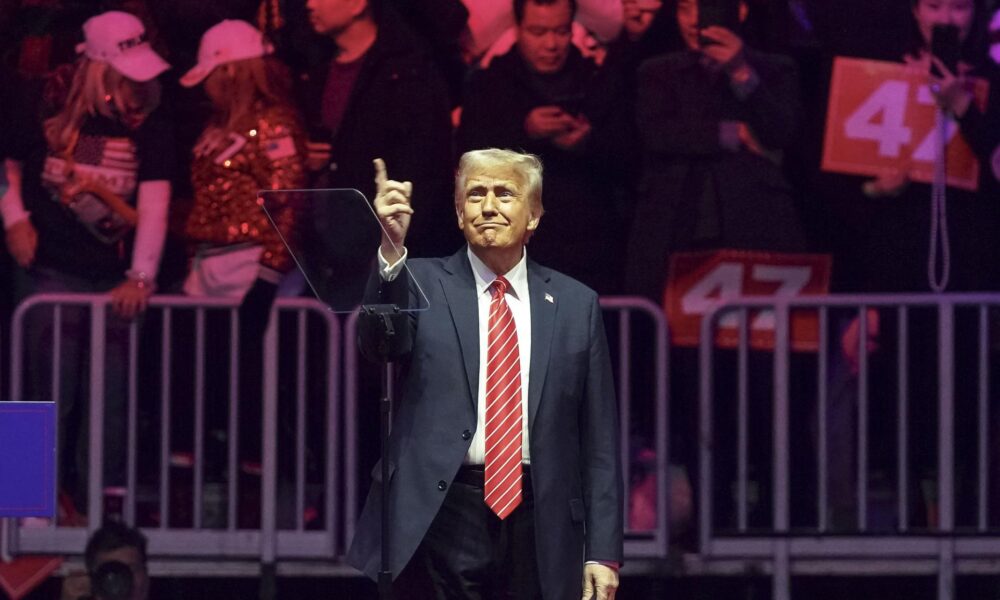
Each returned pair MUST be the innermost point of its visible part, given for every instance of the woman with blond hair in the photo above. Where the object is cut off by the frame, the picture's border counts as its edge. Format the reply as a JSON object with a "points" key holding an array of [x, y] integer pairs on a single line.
{"points": [[86, 211], [253, 141]]}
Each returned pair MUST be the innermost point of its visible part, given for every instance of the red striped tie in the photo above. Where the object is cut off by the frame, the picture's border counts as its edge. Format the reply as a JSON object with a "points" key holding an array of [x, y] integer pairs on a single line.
{"points": [[503, 407]]}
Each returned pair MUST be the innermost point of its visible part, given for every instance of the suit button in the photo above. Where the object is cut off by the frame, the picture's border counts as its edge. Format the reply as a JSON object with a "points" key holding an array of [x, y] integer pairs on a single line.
{"points": [[442, 485], [332, 166], [466, 434]]}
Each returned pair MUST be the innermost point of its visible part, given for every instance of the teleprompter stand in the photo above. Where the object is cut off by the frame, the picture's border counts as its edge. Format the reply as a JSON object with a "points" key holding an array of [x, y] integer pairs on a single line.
{"points": [[384, 323]]}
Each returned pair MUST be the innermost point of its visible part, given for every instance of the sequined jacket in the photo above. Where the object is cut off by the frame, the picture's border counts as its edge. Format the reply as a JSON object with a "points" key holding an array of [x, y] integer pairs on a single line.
{"points": [[268, 156]]}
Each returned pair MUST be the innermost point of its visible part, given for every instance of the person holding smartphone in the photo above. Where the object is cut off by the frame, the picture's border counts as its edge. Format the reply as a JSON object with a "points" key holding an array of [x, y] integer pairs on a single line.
{"points": [[545, 97], [713, 120], [892, 219], [880, 232]]}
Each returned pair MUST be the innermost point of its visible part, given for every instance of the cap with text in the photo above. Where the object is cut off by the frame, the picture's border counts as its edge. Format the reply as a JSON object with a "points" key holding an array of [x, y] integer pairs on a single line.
{"points": [[119, 39]]}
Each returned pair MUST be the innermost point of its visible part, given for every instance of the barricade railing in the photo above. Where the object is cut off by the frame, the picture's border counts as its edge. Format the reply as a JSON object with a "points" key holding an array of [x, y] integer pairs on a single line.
{"points": [[160, 375], [896, 399], [181, 362]]}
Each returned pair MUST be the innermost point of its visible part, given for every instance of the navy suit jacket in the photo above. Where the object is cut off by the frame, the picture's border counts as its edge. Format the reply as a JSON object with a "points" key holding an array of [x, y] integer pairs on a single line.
{"points": [[572, 420]]}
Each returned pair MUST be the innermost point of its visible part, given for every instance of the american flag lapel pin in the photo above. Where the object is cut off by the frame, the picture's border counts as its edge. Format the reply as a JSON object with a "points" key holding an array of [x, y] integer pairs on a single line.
{"points": [[549, 298]]}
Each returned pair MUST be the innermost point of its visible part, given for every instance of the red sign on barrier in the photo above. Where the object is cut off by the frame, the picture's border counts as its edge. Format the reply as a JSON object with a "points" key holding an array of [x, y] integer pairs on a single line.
{"points": [[699, 281], [881, 120]]}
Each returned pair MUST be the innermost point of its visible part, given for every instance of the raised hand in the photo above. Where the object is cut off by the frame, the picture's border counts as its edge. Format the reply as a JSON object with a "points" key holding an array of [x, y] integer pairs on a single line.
{"points": [[392, 206], [950, 90], [725, 48]]}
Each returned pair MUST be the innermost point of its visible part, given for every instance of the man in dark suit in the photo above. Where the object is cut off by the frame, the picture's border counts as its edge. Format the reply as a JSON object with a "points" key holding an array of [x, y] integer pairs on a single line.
{"points": [[505, 474]]}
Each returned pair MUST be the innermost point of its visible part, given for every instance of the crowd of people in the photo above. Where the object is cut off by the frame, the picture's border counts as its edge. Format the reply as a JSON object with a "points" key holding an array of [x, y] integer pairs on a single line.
{"points": [[135, 137], [657, 136]]}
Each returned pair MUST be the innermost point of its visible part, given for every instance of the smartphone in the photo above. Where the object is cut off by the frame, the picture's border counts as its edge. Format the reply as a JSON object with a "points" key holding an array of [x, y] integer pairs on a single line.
{"points": [[570, 103], [946, 47], [724, 13]]}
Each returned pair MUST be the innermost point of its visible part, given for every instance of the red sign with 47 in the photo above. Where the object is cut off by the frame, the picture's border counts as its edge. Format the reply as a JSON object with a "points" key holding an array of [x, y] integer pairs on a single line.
{"points": [[699, 281]]}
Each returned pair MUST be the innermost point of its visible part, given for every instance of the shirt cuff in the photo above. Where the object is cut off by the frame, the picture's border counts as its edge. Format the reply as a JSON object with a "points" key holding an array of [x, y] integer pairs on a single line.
{"points": [[387, 271]]}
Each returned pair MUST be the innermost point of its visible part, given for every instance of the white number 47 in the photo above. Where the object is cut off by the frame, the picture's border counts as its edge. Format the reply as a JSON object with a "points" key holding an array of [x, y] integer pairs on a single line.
{"points": [[725, 282], [881, 118]]}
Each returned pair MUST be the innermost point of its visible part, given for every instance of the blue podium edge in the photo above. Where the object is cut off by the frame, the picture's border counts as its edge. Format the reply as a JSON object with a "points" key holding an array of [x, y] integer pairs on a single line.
{"points": [[38, 471]]}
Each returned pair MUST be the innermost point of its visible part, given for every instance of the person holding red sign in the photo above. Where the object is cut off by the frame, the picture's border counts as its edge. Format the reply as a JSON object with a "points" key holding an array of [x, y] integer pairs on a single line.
{"points": [[883, 244], [714, 120], [891, 223]]}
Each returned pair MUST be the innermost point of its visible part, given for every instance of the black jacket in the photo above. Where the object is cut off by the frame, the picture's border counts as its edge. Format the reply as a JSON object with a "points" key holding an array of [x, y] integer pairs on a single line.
{"points": [[696, 194], [398, 111], [582, 219]]}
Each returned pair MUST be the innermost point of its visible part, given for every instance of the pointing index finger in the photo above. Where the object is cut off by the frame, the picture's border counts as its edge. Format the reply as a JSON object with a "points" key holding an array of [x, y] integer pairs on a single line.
{"points": [[380, 176]]}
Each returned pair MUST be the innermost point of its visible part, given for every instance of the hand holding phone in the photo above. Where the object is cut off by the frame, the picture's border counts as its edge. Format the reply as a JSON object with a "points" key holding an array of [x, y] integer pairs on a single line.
{"points": [[724, 48], [717, 13], [571, 104], [546, 122]]}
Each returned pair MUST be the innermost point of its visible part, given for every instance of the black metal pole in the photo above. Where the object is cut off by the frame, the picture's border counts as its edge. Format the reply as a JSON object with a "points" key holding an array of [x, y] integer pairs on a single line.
{"points": [[385, 417], [380, 316]]}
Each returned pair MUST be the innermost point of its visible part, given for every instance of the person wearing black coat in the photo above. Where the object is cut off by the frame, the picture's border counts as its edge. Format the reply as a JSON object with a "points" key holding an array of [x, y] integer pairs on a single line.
{"points": [[394, 105], [712, 136], [582, 151]]}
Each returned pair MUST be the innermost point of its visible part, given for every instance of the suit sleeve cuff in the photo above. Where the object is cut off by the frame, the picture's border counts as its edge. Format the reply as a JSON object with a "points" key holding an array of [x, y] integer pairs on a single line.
{"points": [[607, 563]]}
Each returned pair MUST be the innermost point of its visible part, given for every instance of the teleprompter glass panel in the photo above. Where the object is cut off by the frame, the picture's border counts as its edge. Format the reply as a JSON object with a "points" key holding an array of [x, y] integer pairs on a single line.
{"points": [[333, 237]]}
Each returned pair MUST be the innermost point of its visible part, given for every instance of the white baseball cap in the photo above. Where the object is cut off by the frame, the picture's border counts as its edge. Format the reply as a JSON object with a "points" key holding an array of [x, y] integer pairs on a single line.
{"points": [[995, 37], [119, 39], [225, 42]]}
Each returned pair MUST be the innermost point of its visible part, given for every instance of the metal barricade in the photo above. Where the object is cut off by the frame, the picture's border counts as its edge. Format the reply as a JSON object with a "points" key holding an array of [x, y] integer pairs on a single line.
{"points": [[208, 525], [637, 331], [882, 532]]}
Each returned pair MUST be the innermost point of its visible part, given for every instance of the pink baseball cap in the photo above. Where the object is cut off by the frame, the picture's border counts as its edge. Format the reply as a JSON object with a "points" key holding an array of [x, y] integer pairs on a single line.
{"points": [[228, 41], [119, 39]]}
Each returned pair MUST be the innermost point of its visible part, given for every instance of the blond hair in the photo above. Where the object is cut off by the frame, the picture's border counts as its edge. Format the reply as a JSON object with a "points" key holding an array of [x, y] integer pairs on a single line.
{"points": [[97, 89], [527, 165], [236, 87]]}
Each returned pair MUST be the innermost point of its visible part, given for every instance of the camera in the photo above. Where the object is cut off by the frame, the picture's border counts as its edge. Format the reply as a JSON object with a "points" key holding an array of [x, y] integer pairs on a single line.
{"points": [[111, 581]]}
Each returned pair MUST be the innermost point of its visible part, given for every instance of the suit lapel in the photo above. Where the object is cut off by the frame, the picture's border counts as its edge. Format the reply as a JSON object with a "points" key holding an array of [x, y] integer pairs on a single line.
{"points": [[460, 292], [544, 304]]}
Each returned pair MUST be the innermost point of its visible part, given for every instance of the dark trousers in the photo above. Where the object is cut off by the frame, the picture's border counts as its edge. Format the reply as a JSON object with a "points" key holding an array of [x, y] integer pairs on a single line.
{"points": [[469, 553]]}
